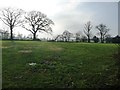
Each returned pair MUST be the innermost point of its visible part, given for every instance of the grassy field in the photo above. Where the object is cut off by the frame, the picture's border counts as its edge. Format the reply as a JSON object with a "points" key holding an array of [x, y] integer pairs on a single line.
{"points": [[58, 65]]}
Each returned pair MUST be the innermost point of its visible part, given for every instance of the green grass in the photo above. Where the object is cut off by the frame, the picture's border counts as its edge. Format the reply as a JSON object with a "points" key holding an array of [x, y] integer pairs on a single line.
{"points": [[59, 65]]}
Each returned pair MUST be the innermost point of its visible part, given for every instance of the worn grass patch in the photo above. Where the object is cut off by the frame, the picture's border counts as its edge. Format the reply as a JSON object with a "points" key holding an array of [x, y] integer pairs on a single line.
{"points": [[55, 48], [25, 51], [4, 47]]}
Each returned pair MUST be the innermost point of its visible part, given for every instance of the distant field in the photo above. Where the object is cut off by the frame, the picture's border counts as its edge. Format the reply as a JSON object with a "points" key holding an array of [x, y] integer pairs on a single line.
{"points": [[58, 65]]}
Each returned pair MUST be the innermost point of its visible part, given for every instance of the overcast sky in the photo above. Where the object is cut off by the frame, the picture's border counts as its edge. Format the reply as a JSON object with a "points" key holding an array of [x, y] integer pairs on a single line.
{"points": [[71, 15]]}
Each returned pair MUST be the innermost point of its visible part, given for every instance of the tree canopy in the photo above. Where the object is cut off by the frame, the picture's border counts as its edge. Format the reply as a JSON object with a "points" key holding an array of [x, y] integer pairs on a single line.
{"points": [[36, 21]]}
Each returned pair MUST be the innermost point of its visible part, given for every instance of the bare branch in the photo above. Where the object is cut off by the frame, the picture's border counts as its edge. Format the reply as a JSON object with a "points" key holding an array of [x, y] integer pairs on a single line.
{"points": [[27, 29], [4, 22]]}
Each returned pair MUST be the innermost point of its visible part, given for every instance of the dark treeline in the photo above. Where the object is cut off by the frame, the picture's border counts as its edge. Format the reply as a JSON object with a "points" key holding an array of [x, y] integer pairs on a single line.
{"points": [[95, 39]]}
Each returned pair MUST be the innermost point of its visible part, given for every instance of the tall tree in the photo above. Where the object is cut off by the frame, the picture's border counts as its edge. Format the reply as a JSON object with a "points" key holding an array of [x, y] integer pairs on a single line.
{"points": [[103, 30], [12, 18], [36, 21], [87, 29]]}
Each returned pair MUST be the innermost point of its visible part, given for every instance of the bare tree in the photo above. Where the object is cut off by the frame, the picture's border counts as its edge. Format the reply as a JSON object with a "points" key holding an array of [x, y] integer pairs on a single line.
{"points": [[4, 33], [66, 35], [95, 39], [12, 18], [77, 36], [20, 36], [36, 21], [87, 29], [103, 30], [84, 38], [30, 36]]}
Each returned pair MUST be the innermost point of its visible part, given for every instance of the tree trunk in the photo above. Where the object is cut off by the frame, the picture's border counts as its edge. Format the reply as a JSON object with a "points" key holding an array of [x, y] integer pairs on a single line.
{"points": [[101, 38], [34, 36], [11, 33], [88, 39]]}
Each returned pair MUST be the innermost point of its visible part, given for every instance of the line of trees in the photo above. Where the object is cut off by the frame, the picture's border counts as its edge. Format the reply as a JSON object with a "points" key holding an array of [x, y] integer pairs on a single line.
{"points": [[102, 30], [78, 37], [33, 21]]}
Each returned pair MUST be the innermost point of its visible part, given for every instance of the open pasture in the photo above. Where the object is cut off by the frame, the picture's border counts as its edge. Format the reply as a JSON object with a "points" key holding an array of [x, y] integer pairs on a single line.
{"points": [[57, 65]]}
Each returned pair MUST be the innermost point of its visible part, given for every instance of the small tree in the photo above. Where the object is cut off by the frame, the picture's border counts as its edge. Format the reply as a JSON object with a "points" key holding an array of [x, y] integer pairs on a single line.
{"points": [[77, 36], [36, 21], [87, 30], [59, 38], [84, 39], [108, 38], [12, 18], [20, 36], [30, 36], [4, 34], [103, 30], [66, 35], [95, 39]]}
